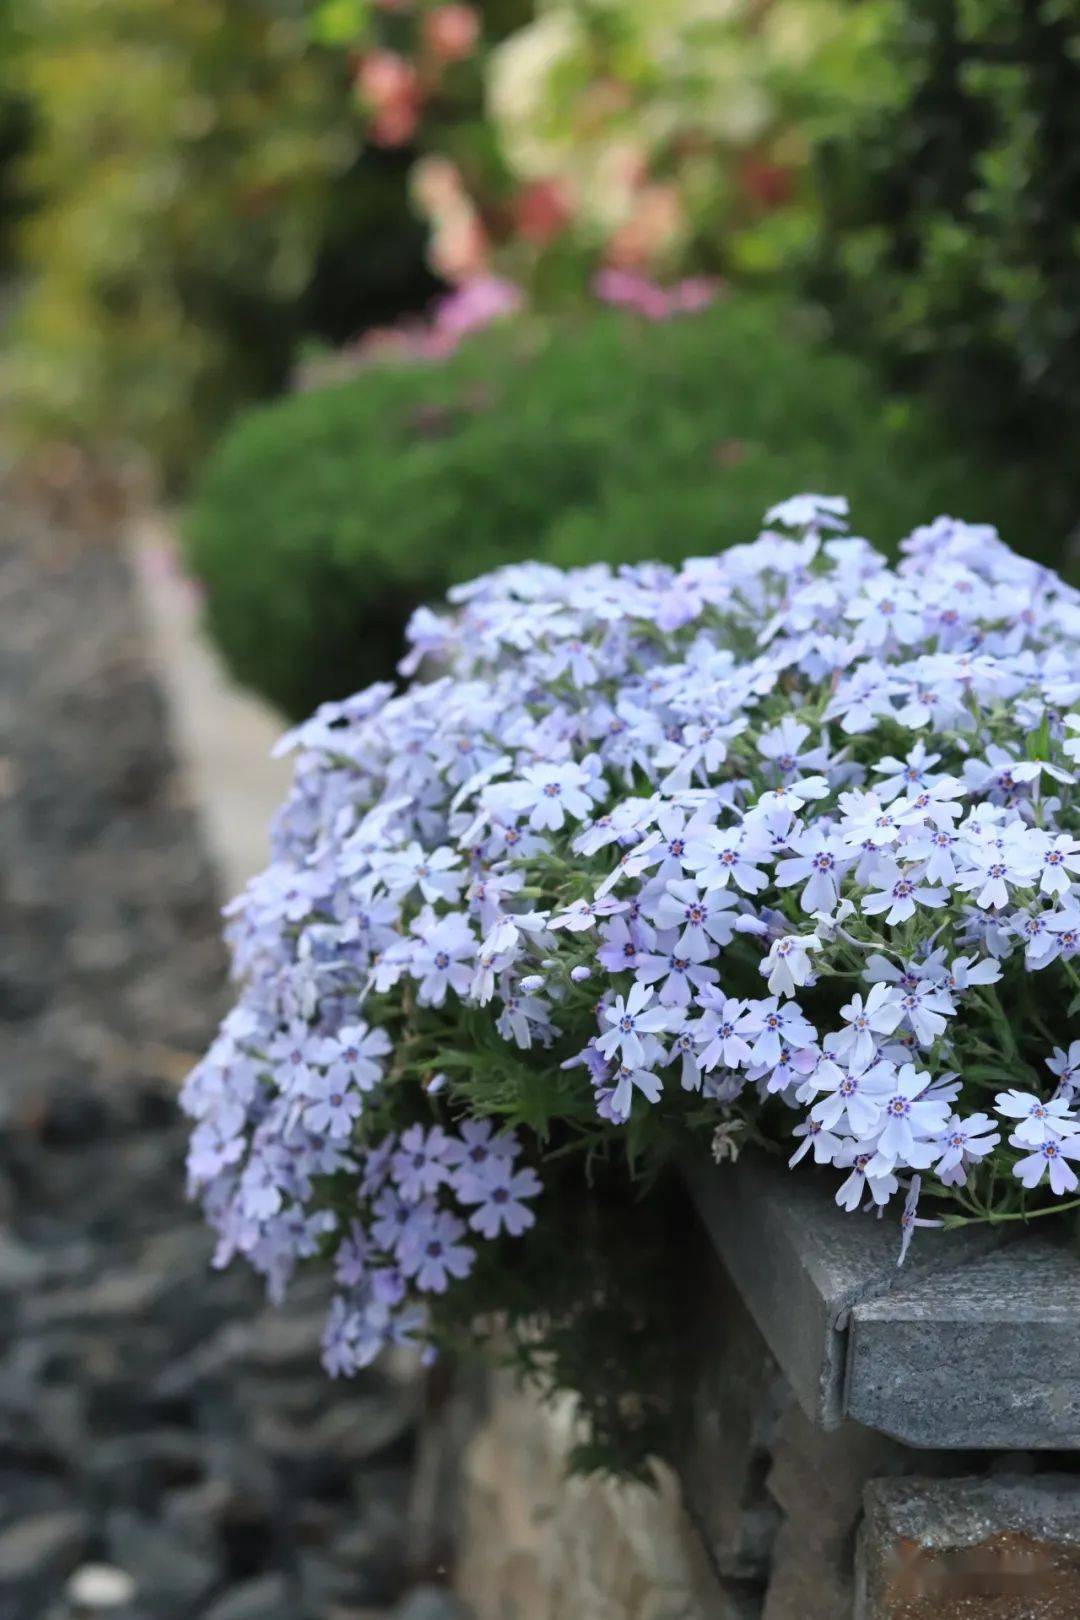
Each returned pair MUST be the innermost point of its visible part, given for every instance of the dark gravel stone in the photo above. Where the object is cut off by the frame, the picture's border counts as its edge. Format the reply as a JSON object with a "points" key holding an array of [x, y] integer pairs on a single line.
{"points": [[39, 1549], [268, 1598], [155, 1416], [171, 1576], [430, 1603]]}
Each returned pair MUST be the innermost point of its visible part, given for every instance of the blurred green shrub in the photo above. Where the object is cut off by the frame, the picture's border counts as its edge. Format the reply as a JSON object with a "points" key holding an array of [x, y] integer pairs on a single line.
{"points": [[320, 521], [200, 185], [951, 238], [15, 126]]}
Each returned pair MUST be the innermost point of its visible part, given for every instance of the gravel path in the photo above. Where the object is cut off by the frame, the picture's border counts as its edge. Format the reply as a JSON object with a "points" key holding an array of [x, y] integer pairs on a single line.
{"points": [[167, 1446]]}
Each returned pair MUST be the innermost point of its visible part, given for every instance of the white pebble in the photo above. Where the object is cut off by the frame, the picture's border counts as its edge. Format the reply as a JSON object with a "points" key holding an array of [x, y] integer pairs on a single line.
{"points": [[100, 1586]]}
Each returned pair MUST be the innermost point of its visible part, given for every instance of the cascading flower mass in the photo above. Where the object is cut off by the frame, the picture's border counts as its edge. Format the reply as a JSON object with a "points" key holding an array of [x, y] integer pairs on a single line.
{"points": [[765, 848]]}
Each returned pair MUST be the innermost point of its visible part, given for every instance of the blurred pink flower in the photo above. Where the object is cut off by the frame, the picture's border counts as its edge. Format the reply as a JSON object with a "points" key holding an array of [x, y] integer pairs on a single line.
{"points": [[477, 304], [652, 229], [626, 289], [467, 309], [543, 210], [390, 87], [452, 32], [694, 293], [459, 245]]}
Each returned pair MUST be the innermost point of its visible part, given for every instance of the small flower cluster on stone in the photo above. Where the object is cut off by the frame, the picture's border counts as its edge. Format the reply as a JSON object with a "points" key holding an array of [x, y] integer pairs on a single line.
{"points": [[771, 847]]}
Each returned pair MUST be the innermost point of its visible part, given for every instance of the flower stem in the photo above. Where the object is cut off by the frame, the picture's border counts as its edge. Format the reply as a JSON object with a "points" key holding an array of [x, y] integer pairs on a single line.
{"points": [[950, 1221]]}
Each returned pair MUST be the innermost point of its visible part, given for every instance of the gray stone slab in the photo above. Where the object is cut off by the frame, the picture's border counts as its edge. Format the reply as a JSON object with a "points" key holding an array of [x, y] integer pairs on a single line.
{"points": [[802, 1264], [987, 1356]]}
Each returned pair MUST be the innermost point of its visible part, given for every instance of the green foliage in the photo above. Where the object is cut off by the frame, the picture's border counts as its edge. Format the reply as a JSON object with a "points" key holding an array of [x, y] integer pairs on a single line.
{"points": [[193, 165], [321, 520], [951, 236], [597, 1302]]}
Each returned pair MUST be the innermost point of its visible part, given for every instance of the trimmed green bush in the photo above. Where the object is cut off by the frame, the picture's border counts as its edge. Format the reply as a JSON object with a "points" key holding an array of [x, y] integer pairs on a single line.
{"points": [[949, 247], [321, 520]]}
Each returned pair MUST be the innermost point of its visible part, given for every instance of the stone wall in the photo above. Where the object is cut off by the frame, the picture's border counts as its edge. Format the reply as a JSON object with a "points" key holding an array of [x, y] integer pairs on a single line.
{"points": [[770, 1517], [538, 1546]]}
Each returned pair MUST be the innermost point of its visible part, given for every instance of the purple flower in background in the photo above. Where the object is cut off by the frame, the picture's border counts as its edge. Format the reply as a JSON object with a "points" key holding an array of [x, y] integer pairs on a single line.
{"points": [[908, 1115], [680, 974], [629, 1079], [1050, 1159], [420, 1164], [391, 1216], [294, 1052], [629, 1018], [1066, 1065], [443, 959], [818, 863], [431, 1252], [703, 920], [878, 1015], [434, 873], [852, 1100], [898, 893], [499, 1192], [550, 793], [332, 1107], [964, 1142], [355, 1061], [722, 1030], [624, 942], [781, 745], [476, 1146], [775, 1027], [1039, 1121]]}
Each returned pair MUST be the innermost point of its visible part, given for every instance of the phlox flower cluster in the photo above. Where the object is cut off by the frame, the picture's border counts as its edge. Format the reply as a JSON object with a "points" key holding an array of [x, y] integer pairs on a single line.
{"points": [[781, 845]]}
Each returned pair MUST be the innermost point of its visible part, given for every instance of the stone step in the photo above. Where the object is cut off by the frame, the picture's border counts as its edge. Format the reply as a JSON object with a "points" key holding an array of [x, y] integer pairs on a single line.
{"points": [[974, 1344]]}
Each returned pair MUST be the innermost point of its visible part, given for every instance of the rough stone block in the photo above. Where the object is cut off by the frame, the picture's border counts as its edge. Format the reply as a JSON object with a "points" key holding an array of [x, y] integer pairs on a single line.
{"points": [[817, 1480], [995, 1548], [538, 1545]]}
